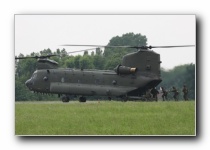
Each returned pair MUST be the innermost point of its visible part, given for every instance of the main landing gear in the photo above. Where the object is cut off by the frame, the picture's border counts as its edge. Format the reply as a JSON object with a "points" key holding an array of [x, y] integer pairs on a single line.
{"points": [[65, 98], [82, 99]]}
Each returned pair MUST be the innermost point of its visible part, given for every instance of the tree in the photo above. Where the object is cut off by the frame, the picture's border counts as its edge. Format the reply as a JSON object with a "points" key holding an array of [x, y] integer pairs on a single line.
{"points": [[98, 62], [179, 76], [58, 52], [69, 63], [128, 39], [111, 63], [85, 53], [92, 53], [46, 52], [77, 61], [99, 51], [85, 62]]}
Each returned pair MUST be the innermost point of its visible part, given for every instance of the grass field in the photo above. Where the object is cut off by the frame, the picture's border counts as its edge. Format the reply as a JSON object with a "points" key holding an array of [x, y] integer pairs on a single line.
{"points": [[105, 118]]}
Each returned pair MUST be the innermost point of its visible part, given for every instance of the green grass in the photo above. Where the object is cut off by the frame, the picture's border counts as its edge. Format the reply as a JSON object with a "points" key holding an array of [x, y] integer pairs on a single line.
{"points": [[105, 118]]}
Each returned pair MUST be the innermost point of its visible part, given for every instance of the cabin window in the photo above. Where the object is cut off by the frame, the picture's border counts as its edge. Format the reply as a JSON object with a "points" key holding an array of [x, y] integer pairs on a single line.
{"points": [[34, 76], [62, 79], [45, 78], [97, 81], [148, 67], [114, 82]]}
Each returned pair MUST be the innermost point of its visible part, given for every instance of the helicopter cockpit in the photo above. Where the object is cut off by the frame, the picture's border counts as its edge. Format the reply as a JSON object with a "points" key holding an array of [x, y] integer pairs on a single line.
{"points": [[30, 82]]}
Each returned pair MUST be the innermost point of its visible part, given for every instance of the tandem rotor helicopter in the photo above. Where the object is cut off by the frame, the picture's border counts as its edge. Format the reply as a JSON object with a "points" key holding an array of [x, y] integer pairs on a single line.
{"points": [[138, 72]]}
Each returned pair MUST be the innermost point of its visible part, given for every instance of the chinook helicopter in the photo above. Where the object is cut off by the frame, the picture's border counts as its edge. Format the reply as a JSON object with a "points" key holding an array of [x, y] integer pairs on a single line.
{"points": [[138, 72]]}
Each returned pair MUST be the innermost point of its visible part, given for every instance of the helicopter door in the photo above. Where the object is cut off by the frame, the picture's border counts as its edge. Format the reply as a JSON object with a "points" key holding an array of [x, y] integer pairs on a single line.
{"points": [[46, 83], [148, 63]]}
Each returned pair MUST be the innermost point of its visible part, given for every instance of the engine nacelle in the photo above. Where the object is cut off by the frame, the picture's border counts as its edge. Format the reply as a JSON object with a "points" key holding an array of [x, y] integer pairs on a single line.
{"points": [[124, 70]]}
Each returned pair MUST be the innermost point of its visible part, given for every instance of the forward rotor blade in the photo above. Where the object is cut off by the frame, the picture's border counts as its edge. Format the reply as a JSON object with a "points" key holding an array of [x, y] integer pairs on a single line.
{"points": [[23, 57], [36, 57]]}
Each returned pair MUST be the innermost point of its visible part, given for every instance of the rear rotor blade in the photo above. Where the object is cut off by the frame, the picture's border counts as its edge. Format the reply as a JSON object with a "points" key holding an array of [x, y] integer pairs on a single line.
{"points": [[137, 47], [171, 46], [82, 50], [99, 46]]}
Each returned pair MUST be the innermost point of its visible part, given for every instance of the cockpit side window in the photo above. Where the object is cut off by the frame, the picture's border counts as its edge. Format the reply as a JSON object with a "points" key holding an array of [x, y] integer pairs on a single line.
{"points": [[34, 76]]}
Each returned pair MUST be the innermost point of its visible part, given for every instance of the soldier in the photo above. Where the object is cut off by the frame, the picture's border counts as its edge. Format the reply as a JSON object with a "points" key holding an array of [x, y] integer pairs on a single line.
{"points": [[185, 91], [154, 92], [165, 93], [148, 94], [176, 93]]}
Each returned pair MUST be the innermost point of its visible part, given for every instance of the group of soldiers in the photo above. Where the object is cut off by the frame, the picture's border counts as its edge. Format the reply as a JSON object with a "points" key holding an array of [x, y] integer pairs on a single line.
{"points": [[164, 92]]}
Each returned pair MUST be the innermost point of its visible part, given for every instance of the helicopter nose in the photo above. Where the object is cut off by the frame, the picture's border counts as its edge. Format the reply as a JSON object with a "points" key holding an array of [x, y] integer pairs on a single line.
{"points": [[28, 83]]}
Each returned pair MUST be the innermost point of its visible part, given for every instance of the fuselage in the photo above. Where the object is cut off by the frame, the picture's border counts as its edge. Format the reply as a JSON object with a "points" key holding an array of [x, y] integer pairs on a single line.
{"points": [[87, 82]]}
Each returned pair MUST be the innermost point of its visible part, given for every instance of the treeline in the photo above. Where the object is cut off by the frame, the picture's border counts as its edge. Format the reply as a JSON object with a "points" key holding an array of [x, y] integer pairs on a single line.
{"points": [[178, 77], [106, 59]]}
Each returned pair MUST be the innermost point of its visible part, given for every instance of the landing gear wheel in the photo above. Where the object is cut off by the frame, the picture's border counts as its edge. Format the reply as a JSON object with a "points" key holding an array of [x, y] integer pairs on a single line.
{"points": [[124, 98], [65, 98], [82, 99]]}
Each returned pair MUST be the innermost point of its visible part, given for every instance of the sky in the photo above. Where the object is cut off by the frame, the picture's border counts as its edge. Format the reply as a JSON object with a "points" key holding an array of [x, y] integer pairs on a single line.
{"points": [[34, 33]]}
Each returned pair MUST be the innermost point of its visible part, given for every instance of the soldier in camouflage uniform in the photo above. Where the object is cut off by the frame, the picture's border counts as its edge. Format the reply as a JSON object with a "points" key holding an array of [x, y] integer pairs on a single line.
{"points": [[185, 91], [148, 94], [165, 93], [155, 92], [176, 93]]}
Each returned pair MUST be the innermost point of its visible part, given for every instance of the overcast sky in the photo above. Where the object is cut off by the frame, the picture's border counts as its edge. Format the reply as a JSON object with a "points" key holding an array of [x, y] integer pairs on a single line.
{"points": [[34, 33]]}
